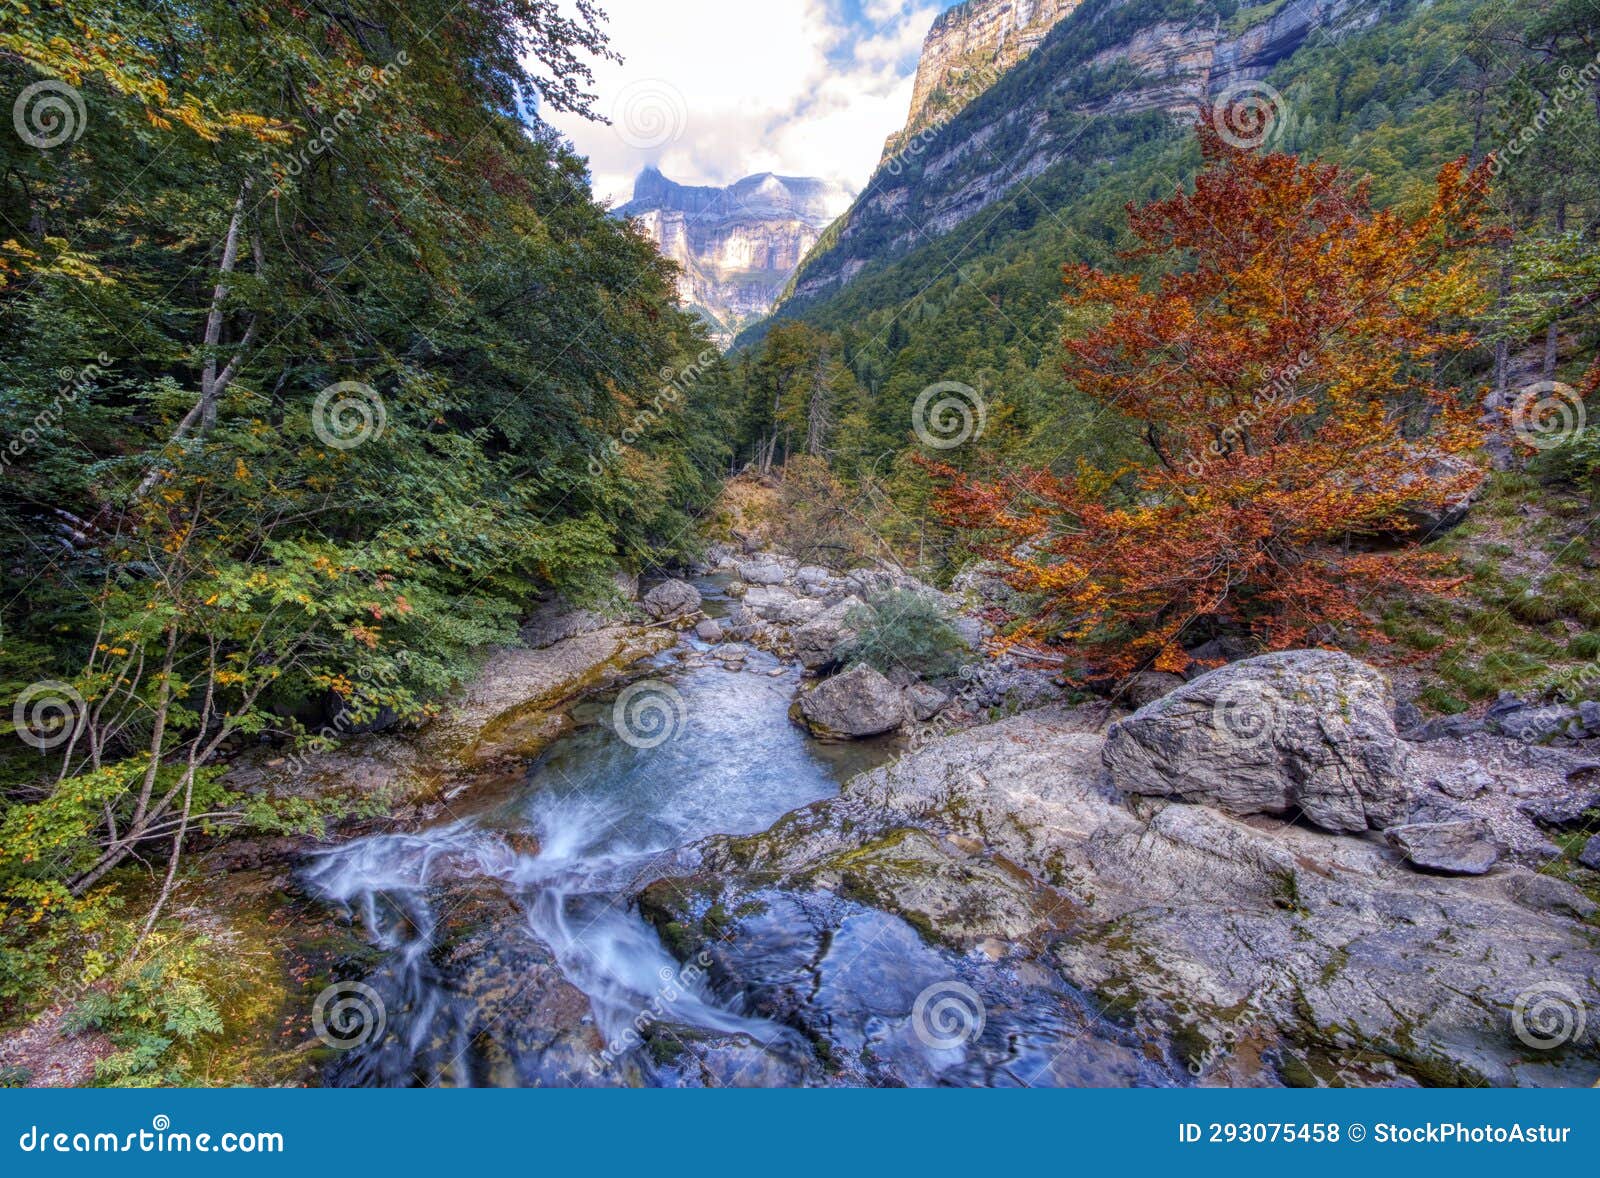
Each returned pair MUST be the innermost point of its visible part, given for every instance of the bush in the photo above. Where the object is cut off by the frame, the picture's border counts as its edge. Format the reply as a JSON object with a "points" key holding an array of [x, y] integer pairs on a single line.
{"points": [[903, 630]]}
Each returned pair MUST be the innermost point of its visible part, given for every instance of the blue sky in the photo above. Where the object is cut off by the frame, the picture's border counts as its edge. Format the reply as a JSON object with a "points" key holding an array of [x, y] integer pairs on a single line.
{"points": [[712, 90]]}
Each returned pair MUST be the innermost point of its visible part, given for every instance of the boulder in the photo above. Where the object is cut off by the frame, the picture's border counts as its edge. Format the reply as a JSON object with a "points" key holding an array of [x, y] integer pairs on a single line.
{"points": [[1148, 686], [815, 642], [625, 584], [763, 572], [768, 601], [709, 630], [858, 703], [1590, 855], [925, 701], [1465, 847], [671, 599], [1545, 893], [1304, 732]]}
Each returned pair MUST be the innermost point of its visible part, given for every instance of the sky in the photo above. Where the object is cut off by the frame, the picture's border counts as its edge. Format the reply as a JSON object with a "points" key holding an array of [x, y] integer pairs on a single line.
{"points": [[713, 90]]}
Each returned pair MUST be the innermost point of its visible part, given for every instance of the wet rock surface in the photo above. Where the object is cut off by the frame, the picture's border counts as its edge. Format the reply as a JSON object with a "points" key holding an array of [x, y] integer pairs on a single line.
{"points": [[1209, 947]]}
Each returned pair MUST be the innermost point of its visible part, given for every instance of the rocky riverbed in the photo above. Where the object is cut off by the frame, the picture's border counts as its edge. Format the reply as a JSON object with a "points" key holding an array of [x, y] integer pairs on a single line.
{"points": [[800, 871]]}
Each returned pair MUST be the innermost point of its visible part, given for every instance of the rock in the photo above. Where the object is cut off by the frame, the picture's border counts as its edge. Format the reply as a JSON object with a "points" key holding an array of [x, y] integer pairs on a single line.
{"points": [[858, 703], [1456, 848], [983, 584], [763, 572], [925, 701], [810, 574], [1148, 686], [1590, 855], [556, 622], [816, 641], [1532, 723], [972, 630], [671, 599], [1225, 649], [799, 611], [741, 625], [1468, 782], [1445, 728], [625, 584], [732, 655], [1545, 893], [1406, 716], [1297, 732], [768, 601], [1589, 717], [1283, 946], [709, 630]]}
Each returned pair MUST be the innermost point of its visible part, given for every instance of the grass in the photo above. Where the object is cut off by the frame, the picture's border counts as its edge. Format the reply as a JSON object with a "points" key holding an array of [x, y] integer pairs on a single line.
{"points": [[1527, 615]]}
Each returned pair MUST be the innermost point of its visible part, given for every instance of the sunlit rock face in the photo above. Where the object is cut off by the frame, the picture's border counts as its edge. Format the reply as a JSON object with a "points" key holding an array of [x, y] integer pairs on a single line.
{"points": [[966, 51], [736, 246], [1006, 89]]}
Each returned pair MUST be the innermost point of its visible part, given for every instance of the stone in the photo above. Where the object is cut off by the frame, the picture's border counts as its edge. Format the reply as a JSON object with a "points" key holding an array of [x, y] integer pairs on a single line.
{"points": [[816, 641], [671, 599], [763, 572], [1465, 847], [1590, 855], [810, 574], [925, 701], [709, 630], [768, 601], [1303, 732], [860, 702], [1471, 780], [1545, 893], [1146, 687]]}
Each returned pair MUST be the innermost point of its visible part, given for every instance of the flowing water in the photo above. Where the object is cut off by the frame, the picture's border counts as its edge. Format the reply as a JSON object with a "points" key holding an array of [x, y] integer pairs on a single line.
{"points": [[514, 954]]}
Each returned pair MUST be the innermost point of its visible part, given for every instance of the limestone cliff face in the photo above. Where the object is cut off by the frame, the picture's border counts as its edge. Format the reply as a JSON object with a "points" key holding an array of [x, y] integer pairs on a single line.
{"points": [[1090, 60], [736, 246], [966, 51]]}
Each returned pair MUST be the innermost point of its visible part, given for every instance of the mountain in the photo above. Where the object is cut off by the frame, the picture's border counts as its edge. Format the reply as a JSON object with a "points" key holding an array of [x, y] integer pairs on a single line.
{"points": [[1062, 114], [966, 51], [736, 246]]}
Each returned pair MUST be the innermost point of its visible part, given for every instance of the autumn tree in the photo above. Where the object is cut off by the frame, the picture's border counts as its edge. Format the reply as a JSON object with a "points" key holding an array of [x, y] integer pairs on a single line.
{"points": [[1285, 375]]}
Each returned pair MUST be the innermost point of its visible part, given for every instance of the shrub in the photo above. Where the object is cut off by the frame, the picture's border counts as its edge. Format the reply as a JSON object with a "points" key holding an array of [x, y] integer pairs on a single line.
{"points": [[903, 630]]}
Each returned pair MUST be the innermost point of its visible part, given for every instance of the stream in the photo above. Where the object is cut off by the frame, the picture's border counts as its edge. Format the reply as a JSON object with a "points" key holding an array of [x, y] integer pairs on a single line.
{"points": [[514, 954]]}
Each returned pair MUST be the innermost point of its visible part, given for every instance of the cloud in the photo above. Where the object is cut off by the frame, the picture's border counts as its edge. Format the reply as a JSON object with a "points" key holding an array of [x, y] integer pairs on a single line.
{"points": [[712, 90]]}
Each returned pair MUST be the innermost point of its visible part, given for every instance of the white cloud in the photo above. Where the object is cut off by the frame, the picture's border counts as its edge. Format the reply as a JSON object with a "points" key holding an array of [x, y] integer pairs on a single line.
{"points": [[712, 90]]}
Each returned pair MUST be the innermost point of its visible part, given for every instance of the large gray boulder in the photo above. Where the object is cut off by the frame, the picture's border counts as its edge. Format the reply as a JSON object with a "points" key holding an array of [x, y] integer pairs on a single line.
{"points": [[1590, 855], [763, 571], [671, 599], [1300, 732], [816, 641], [858, 703]]}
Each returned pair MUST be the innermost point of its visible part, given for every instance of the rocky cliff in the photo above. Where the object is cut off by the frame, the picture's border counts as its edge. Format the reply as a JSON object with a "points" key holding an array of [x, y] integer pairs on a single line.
{"points": [[1143, 65], [966, 51], [737, 246]]}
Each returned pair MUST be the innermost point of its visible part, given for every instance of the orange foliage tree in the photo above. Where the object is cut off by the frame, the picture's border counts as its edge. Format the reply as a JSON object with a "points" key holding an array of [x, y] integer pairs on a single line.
{"points": [[1284, 371]]}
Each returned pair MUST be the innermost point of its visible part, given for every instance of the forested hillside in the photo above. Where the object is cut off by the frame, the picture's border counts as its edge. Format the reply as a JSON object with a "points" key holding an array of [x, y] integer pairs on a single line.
{"points": [[913, 299], [321, 365]]}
